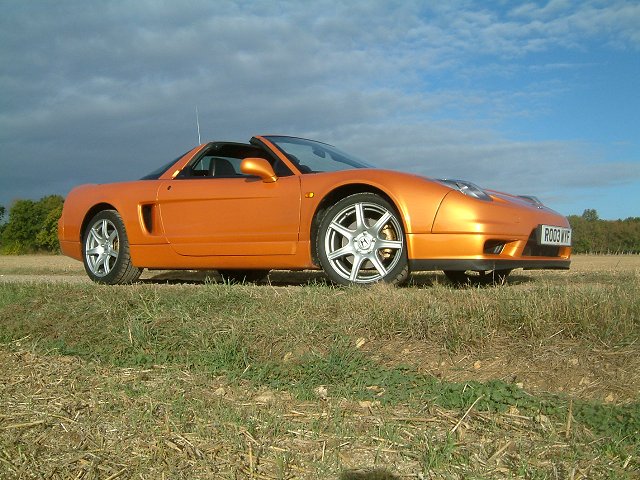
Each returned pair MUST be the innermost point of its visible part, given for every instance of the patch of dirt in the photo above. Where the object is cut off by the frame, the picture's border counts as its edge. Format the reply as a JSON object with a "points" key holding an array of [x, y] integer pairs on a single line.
{"points": [[563, 367]]}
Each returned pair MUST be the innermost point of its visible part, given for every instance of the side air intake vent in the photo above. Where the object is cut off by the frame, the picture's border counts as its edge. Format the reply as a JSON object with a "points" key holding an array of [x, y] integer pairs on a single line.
{"points": [[493, 247], [147, 217]]}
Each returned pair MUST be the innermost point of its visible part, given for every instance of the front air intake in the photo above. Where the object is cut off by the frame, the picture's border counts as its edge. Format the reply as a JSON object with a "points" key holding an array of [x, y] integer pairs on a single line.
{"points": [[532, 249], [493, 247]]}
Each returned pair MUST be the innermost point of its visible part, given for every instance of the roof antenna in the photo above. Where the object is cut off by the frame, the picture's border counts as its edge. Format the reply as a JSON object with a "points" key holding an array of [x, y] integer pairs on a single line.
{"points": [[198, 125]]}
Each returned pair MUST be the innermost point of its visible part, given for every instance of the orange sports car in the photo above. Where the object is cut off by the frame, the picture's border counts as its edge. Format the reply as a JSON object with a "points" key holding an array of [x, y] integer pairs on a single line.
{"points": [[289, 203]]}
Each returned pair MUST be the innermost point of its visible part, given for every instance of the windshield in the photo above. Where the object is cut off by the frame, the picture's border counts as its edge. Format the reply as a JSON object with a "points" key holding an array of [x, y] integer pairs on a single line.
{"points": [[310, 156], [158, 172]]}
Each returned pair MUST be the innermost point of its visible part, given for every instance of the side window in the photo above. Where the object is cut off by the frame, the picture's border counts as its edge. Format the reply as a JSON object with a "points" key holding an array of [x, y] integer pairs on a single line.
{"points": [[223, 160]]}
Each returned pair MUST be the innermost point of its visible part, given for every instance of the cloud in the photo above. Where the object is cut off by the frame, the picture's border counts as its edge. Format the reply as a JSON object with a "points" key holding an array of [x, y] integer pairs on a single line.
{"points": [[559, 21], [107, 91]]}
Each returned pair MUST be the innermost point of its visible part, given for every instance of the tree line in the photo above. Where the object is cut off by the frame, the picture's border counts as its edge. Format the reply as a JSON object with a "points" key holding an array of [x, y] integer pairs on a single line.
{"points": [[32, 227], [593, 235]]}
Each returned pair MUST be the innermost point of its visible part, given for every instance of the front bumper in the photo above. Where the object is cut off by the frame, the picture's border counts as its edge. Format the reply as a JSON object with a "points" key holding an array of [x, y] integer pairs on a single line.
{"points": [[481, 252]]}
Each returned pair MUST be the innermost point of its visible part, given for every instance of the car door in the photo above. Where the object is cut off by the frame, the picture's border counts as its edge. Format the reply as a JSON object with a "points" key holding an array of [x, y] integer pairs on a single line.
{"points": [[231, 216]]}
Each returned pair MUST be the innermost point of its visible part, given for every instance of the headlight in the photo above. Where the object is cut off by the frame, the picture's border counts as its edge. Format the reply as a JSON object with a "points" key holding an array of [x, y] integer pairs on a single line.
{"points": [[468, 188]]}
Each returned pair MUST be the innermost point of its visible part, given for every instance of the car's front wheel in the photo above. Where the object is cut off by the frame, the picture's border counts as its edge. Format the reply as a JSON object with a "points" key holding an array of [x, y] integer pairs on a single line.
{"points": [[105, 250], [361, 241]]}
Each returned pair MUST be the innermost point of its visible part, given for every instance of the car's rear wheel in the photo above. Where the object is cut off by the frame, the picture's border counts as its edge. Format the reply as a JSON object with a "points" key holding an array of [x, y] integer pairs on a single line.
{"points": [[105, 250], [491, 277], [243, 276], [361, 241]]}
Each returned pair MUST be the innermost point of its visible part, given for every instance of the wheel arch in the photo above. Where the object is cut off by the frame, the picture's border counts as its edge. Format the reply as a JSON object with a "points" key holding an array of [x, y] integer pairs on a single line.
{"points": [[335, 196], [92, 212]]}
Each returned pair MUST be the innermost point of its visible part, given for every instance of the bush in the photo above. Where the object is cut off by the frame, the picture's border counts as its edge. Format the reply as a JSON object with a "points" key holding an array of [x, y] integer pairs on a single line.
{"points": [[32, 226], [2, 224]]}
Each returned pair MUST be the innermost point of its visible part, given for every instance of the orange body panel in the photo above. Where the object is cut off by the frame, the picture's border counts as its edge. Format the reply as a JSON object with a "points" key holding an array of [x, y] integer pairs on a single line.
{"points": [[231, 216], [251, 222], [505, 215]]}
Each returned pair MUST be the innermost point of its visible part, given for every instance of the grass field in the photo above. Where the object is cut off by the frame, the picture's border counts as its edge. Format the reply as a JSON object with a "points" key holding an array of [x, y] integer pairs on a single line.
{"points": [[181, 376]]}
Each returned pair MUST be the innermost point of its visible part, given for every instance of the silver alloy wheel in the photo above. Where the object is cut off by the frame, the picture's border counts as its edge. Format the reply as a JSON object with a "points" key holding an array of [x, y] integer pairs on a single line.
{"points": [[364, 242], [102, 246]]}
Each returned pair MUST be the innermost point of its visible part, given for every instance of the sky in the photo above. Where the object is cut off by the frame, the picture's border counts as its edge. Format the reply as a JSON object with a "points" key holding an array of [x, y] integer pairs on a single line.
{"points": [[538, 98]]}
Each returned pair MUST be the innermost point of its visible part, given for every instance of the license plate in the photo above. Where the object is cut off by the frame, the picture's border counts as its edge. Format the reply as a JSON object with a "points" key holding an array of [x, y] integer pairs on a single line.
{"points": [[552, 235]]}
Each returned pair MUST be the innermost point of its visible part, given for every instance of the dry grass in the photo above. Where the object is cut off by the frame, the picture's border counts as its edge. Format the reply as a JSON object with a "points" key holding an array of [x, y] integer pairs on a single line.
{"points": [[181, 380], [65, 418], [39, 265]]}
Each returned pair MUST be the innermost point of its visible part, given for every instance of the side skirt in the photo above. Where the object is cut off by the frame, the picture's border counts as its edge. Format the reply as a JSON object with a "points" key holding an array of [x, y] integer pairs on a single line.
{"points": [[163, 257]]}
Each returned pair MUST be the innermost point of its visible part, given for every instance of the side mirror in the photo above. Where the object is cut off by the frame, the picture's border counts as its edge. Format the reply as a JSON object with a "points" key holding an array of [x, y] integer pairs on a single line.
{"points": [[260, 168]]}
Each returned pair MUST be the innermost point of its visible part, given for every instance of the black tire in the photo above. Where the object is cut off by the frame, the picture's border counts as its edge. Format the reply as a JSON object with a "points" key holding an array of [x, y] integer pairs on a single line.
{"points": [[105, 250], [361, 241], [491, 277], [243, 276]]}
